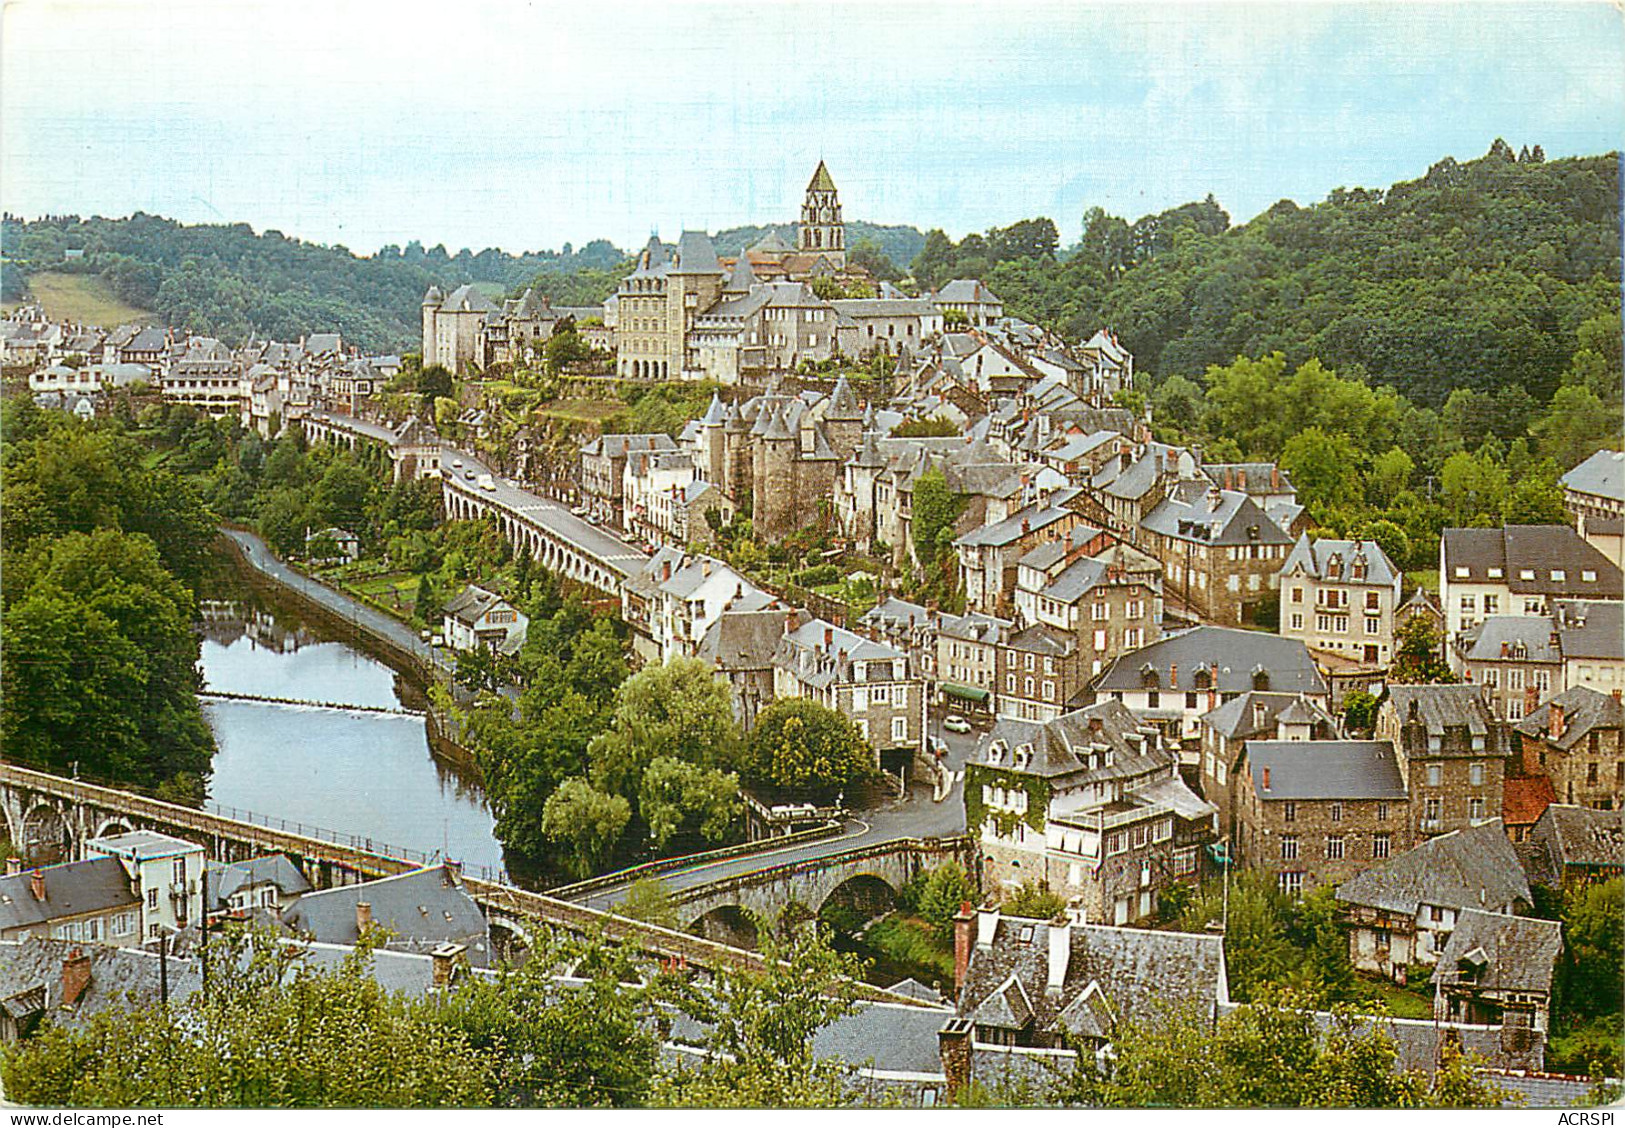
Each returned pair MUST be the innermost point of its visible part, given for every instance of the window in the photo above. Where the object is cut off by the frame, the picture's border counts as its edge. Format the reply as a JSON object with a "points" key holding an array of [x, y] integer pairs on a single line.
{"points": [[880, 694], [1010, 682], [1049, 665], [1049, 691], [1292, 884], [1100, 640], [1297, 595], [1382, 812], [1337, 812], [1163, 831], [1492, 604], [1475, 774], [899, 729], [1588, 576], [1591, 772], [1515, 679], [178, 869], [124, 924], [1334, 847], [1153, 699], [1434, 774], [1098, 612], [1559, 576], [1028, 684], [1116, 843], [1495, 572], [1289, 812], [1031, 662], [1289, 847], [1526, 573], [1462, 573], [1469, 604], [152, 899], [1380, 845], [1373, 626], [1297, 621], [1431, 809], [1475, 809]]}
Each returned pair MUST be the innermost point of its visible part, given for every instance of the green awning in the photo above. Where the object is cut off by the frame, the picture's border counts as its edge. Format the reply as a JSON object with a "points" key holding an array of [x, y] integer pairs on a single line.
{"points": [[966, 692]]}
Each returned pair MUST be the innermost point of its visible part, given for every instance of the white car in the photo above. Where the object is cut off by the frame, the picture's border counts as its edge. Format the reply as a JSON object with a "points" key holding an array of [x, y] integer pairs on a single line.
{"points": [[953, 722], [579, 511]]}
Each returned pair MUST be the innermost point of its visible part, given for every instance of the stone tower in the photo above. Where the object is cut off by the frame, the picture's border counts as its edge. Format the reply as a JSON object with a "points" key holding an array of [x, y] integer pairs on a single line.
{"points": [[843, 420], [431, 306], [693, 285], [775, 495], [821, 231]]}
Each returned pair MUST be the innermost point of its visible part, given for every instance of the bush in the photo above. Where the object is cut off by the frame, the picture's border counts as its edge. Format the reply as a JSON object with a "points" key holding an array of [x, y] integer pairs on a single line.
{"points": [[817, 576], [1034, 902]]}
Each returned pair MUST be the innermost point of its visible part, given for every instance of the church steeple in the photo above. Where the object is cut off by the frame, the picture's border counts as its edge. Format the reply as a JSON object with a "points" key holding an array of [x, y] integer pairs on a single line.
{"points": [[821, 231]]}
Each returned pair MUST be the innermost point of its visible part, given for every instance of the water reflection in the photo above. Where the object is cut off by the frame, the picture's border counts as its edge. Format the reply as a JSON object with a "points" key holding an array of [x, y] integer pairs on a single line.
{"points": [[360, 773]]}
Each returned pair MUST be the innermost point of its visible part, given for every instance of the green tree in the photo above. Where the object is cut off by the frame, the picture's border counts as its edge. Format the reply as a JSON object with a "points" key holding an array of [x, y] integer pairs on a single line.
{"points": [[648, 899], [1323, 467], [1033, 901], [1419, 655], [799, 743], [678, 710], [586, 821], [1359, 711], [935, 508], [678, 797], [946, 888], [762, 1024]]}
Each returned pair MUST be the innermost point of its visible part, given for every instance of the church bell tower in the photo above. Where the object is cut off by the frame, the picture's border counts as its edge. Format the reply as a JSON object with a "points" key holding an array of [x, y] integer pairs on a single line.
{"points": [[821, 231]]}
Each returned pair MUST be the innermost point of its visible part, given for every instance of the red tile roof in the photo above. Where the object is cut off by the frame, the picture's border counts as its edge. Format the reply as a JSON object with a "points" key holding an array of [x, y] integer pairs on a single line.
{"points": [[1524, 800]]}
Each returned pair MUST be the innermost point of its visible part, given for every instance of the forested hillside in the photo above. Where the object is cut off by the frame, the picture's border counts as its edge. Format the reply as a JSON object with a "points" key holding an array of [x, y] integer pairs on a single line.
{"points": [[1478, 275]]}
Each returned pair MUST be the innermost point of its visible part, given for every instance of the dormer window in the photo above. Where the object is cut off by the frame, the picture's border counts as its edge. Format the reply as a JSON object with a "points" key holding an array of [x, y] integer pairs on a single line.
{"points": [[1526, 573], [1559, 576], [1462, 573], [1495, 573], [1588, 576]]}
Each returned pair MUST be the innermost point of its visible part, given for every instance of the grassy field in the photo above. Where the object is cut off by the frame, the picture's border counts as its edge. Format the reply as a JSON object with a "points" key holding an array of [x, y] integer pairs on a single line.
{"points": [[1402, 1002], [583, 410], [83, 298]]}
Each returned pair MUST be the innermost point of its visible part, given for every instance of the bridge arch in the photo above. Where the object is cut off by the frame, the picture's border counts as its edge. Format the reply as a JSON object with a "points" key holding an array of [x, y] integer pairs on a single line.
{"points": [[728, 924], [866, 894], [46, 838], [112, 826]]}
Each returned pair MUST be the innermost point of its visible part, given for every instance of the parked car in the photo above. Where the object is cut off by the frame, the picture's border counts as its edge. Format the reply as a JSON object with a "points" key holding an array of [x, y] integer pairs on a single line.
{"points": [[953, 722], [579, 511]]}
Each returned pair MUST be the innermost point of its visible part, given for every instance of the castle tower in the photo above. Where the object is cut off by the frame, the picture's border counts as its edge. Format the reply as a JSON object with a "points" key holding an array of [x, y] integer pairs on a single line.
{"points": [[713, 452], [736, 454], [821, 231], [775, 494], [431, 306], [843, 419], [694, 283]]}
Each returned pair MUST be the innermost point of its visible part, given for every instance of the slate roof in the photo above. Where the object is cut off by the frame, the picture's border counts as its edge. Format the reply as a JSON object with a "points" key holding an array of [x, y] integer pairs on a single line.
{"points": [[1470, 868], [1584, 709], [1443, 707], [95, 885], [973, 626], [1041, 638], [1195, 511], [1590, 630], [619, 446], [1527, 556], [1140, 973], [1603, 475], [821, 180], [1062, 747], [1515, 953], [1325, 769], [222, 879], [969, 290], [743, 640], [803, 654], [1583, 837], [893, 613], [1526, 638], [470, 604], [466, 299], [423, 908], [696, 255], [1231, 654], [1314, 556], [1032, 519], [1239, 716]]}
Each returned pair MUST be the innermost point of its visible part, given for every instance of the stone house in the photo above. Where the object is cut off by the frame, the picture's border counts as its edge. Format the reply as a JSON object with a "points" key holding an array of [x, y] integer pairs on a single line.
{"points": [[1223, 553], [1340, 596], [1572, 847], [1518, 570], [269, 884], [1089, 805], [1592, 639], [1025, 983], [603, 471], [1497, 970], [1312, 813], [968, 658], [739, 646], [1517, 659], [1040, 670], [1453, 753], [1577, 740], [1402, 912], [1174, 682], [874, 684], [453, 325], [910, 627], [671, 601], [989, 556], [1110, 598], [971, 297], [1252, 716]]}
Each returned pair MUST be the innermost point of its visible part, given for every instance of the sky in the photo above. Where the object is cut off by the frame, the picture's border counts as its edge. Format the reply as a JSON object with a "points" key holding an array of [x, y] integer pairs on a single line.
{"points": [[478, 123]]}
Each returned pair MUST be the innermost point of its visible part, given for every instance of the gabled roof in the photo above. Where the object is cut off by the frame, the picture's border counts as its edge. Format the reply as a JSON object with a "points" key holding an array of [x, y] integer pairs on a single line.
{"points": [[1440, 708], [743, 640], [1200, 512], [1534, 559], [1230, 654], [222, 879], [1471, 868], [1242, 717], [1588, 629], [95, 885], [1324, 769], [1584, 710], [970, 290], [423, 908], [1582, 837], [1314, 557], [696, 255], [1064, 746], [1494, 952], [472, 603]]}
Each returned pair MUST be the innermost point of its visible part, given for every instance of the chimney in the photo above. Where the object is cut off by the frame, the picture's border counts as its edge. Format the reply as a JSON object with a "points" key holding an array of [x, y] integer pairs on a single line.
{"points": [[953, 1043], [445, 963], [75, 976], [363, 917], [665, 572], [1275, 478], [1060, 952], [14, 866], [964, 938], [987, 923], [1557, 719], [36, 884], [1266, 777], [829, 637], [790, 621], [1173, 675], [705, 567], [1026, 525]]}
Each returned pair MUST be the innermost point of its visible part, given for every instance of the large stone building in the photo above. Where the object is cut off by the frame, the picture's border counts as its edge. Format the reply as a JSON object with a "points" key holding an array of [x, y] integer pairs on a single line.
{"points": [[1339, 597], [1452, 753]]}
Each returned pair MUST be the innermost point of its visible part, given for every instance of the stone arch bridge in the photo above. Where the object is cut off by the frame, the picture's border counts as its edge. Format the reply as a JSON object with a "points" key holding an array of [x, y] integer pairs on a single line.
{"points": [[49, 819], [866, 879]]}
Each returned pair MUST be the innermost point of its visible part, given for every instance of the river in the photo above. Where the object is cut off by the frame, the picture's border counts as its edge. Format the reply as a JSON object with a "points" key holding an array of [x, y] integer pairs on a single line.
{"points": [[344, 771]]}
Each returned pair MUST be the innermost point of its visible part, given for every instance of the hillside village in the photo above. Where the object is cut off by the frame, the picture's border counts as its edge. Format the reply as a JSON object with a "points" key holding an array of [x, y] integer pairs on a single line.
{"points": [[1131, 672]]}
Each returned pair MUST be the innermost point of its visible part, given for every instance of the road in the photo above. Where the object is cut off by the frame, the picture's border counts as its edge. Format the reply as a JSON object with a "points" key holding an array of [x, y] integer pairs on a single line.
{"points": [[917, 816], [366, 618]]}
